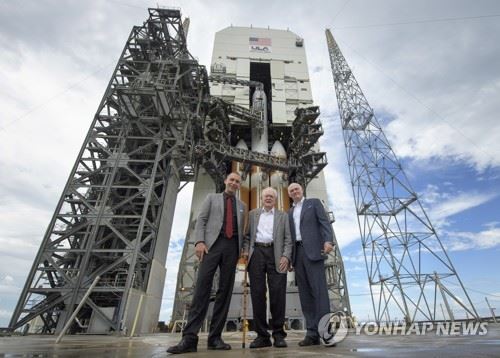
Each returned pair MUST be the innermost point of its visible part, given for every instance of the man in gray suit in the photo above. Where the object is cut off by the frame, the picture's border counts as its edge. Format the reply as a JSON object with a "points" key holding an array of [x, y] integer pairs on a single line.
{"points": [[219, 239], [269, 247], [313, 236]]}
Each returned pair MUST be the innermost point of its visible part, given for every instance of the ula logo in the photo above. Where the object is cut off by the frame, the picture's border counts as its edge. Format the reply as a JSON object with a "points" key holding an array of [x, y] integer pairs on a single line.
{"points": [[333, 328]]}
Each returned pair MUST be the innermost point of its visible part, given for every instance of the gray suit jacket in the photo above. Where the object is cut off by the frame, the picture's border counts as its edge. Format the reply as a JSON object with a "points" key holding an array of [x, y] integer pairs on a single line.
{"points": [[282, 240], [211, 218]]}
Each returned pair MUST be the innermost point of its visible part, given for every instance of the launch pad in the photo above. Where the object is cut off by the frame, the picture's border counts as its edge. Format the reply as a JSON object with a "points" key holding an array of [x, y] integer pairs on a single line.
{"points": [[155, 345]]}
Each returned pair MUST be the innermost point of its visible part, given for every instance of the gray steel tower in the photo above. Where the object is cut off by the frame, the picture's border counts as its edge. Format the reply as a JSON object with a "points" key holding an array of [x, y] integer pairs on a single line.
{"points": [[114, 217], [409, 271]]}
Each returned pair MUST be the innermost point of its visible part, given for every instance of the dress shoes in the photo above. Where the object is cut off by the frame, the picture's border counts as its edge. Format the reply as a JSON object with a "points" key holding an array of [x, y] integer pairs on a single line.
{"points": [[309, 341], [279, 342], [261, 342], [184, 346], [219, 345]]}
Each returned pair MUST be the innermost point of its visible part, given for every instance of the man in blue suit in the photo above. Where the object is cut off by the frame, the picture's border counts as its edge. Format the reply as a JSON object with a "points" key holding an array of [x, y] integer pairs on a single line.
{"points": [[313, 237]]}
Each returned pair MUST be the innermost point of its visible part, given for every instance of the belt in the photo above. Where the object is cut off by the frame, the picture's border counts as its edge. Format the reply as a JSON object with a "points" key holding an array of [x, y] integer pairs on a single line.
{"points": [[263, 244], [299, 243]]}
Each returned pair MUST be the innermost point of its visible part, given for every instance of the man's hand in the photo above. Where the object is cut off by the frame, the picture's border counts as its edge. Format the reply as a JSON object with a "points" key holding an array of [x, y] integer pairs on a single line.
{"points": [[283, 264], [243, 257], [327, 247], [200, 250]]}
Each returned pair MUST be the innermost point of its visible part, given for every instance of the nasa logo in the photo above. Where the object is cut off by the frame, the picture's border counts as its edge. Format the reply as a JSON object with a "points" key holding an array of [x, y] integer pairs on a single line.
{"points": [[333, 328]]}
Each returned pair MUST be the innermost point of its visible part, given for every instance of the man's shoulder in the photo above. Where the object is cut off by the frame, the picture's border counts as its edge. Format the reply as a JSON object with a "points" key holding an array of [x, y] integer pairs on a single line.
{"points": [[313, 201], [281, 212], [212, 196], [254, 211]]}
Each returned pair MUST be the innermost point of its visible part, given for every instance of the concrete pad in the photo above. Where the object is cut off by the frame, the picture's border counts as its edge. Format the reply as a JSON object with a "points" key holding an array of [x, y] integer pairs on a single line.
{"points": [[155, 345]]}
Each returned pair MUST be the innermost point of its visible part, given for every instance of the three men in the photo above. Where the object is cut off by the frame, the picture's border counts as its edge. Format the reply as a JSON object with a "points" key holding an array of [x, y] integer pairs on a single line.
{"points": [[269, 244], [269, 247], [313, 237], [219, 239]]}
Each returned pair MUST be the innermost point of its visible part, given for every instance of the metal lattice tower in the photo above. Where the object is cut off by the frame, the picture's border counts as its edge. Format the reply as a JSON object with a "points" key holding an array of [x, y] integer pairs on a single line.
{"points": [[111, 220], [409, 271]]}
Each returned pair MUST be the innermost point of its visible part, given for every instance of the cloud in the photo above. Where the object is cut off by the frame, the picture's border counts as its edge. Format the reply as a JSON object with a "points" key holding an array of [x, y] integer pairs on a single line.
{"points": [[449, 204], [4, 314], [443, 203], [487, 238]]}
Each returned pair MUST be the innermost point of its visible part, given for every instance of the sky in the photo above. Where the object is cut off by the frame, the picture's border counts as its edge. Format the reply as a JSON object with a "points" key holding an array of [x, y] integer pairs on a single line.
{"points": [[429, 69]]}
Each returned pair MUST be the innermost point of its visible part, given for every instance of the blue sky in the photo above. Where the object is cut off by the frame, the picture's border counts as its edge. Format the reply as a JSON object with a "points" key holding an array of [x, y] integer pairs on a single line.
{"points": [[429, 69]]}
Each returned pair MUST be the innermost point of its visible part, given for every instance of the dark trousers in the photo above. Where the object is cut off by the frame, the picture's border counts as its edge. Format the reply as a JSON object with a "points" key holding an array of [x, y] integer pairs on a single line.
{"points": [[313, 292], [222, 254], [260, 265]]}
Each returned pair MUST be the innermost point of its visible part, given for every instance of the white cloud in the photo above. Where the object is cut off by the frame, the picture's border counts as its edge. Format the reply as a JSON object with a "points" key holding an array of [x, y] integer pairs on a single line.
{"points": [[4, 314], [443, 203], [464, 240], [460, 203]]}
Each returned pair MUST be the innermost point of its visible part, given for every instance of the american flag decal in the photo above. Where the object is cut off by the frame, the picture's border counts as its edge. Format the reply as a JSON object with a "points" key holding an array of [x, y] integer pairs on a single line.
{"points": [[260, 41]]}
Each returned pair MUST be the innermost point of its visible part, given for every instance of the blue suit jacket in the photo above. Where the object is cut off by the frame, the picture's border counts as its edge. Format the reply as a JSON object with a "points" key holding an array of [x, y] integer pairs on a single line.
{"points": [[315, 228]]}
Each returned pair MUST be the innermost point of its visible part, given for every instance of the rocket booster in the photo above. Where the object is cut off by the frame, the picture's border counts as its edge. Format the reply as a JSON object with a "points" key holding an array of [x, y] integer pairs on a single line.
{"points": [[278, 180]]}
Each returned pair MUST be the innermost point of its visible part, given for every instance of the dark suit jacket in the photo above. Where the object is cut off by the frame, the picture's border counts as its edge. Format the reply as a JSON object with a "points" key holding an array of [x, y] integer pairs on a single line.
{"points": [[315, 228]]}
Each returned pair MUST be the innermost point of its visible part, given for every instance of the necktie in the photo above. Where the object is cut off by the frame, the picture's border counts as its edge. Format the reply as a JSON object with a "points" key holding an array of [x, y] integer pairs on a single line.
{"points": [[229, 218]]}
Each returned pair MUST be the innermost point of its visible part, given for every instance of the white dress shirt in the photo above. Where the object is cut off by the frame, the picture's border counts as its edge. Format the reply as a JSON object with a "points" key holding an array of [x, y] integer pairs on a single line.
{"points": [[265, 227], [297, 210]]}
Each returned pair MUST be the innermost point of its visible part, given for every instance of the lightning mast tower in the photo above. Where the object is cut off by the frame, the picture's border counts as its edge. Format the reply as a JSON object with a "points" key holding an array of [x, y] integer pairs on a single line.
{"points": [[409, 271]]}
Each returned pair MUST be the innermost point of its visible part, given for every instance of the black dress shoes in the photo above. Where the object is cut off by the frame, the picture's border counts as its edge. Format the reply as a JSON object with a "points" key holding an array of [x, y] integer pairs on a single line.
{"points": [[261, 342], [279, 342], [219, 345], [309, 341], [184, 346]]}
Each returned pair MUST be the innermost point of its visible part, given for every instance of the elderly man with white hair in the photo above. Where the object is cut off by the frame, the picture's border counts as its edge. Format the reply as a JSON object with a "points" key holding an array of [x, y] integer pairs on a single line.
{"points": [[269, 246]]}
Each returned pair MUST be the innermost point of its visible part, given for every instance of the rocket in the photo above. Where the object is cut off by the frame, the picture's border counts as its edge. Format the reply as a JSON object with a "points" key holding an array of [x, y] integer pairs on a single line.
{"points": [[251, 187], [259, 178]]}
